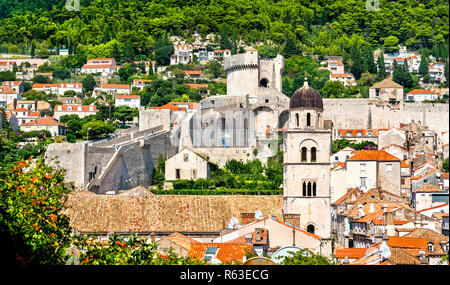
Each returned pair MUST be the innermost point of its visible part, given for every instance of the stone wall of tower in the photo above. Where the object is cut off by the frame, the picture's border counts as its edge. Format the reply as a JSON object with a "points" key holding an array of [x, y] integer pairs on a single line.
{"points": [[242, 73]]}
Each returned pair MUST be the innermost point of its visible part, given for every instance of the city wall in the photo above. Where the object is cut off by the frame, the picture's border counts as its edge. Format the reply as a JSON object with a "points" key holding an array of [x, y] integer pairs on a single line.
{"points": [[358, 113]]}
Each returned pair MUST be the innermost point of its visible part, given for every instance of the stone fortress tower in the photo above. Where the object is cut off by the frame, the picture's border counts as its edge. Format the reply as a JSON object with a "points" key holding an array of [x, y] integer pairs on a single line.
{"points": [[306, 168], [247, 72]]}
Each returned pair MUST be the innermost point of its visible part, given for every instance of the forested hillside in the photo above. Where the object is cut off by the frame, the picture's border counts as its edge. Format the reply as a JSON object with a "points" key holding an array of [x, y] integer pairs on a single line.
{"points": [[325, 24]]}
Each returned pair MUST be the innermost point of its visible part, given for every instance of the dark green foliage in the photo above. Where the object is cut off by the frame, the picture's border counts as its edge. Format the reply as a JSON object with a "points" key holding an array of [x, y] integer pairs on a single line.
{"points": [[7, 76], [290, 48], [88, 82], [423, 66], [381, 67], [445, 165], [124, 113], [61, 73], [159, 171]]}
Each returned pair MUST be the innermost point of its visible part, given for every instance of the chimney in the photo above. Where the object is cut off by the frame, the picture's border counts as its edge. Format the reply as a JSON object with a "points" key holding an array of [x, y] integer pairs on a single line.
{"points": [[247, 218], [293, 219]]}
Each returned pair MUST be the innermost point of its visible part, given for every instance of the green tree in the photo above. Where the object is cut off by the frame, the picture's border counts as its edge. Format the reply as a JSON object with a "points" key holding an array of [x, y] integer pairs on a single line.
{"points": [[356, 61], [96, 129], [88, 83], [391, 44], [124, 113], [32, 200], [290, 48], [306, 257], [159, 171], [333, 89], [445, 165], [61, 73], [423, 66], [381, 67]]}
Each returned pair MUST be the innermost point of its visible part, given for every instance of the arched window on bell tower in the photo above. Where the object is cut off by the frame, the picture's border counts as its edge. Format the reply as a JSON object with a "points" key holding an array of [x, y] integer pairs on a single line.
{"points": [[309, 189], [308, 119], [297, 120], [304, 188], [314, 189], [313, 154], [304, 152]]}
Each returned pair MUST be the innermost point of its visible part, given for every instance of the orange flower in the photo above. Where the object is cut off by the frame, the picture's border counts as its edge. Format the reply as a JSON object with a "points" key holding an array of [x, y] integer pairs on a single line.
{"points": [[47, 176], [52, 234], [33, 179], [53, 217], [86, 260]]}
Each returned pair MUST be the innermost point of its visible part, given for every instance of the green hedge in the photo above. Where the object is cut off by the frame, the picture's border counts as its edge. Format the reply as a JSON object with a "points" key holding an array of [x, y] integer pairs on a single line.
{"points": [[218, 191], [230, 182]]}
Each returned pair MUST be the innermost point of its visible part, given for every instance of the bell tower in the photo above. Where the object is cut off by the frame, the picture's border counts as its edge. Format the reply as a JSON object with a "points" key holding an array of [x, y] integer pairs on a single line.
{"points": [[306, 167]]}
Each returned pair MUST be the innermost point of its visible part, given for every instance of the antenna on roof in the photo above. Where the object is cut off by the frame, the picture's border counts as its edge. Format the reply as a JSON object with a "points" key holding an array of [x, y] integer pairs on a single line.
{"points": [[258, 215]]}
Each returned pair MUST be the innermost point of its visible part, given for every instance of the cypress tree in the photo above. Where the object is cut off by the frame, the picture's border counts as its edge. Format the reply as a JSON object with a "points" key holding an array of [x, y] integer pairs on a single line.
{"points": [[381, 67], [423, 66], [357, 61]]}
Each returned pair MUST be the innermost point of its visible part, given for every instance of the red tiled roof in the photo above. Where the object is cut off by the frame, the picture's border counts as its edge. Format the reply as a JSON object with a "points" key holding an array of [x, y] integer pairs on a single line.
{"points": [[227, 252], [341, 75], [428, 188], [75, 85], [42, 85], [116, 86], [12, 83], [403, 164], [7, 90], [181, 240], [378, 155], [195, 86], [189, 72], [340, 200], [435, 207], [444, 175], [84, 108], [335, 63], [128, 96], [352, 253], [305, 232], [44, 121], [423, 176], [87, 66], [409, 243], [98, 59], [421, 91], [364, 132], [6, 62]]}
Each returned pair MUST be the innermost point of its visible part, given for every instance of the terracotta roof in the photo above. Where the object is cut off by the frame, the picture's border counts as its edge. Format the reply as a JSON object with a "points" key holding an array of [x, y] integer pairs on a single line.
{"points": [[425, 175], [195, 86], [189, 72], [7, 62], [378, 155], [403, 164], [98, 59], [444, 175], [431, 236], [115, 86], [88, 66], [181, 240], [42, 85], [41, 105], [387, 83], [400, 256], [409, 244], [75, 85], [381, 222], [354, 132], [84, 108], [344, 197], [352, 253], [128, 96], [435, 207], [227, 252], [335, 63], [427, 188], [421, 91], [6, 90], [164, 213], [44, 121], [12, 83], [305, 232], [341, 75], [173, 108]]}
